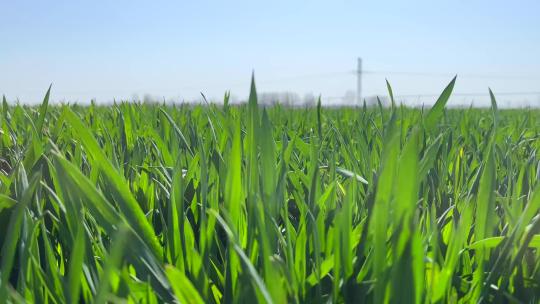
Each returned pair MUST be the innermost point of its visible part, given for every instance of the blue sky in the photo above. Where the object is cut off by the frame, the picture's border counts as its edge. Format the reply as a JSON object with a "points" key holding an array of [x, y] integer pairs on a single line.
{"points": [[118, 49]]}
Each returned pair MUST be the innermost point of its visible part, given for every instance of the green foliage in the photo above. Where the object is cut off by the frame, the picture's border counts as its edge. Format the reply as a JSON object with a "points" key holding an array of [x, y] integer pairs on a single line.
{"points": [[143, 203]]}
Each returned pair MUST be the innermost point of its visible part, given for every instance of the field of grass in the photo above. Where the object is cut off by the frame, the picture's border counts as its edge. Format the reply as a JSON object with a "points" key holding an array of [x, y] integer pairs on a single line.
{"points": [[149, 203]]}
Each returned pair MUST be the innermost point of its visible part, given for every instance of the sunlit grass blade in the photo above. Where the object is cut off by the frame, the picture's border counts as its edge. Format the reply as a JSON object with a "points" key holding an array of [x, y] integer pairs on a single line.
{"points": [[117, 183], [435, 113]]}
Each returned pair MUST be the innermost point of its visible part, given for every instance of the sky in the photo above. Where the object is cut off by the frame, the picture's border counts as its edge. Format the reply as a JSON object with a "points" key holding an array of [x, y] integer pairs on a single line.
{"points": [[176, 50]]}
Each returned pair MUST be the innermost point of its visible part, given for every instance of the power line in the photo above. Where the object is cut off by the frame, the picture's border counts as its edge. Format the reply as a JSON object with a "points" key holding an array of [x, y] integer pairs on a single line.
{"points": [[407, 73], [439, 74], [463, 75], [453, 94]]}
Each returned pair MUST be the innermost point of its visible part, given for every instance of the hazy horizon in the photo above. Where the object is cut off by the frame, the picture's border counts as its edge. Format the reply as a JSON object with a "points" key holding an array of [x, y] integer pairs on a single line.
{"points": [[175, 51]]}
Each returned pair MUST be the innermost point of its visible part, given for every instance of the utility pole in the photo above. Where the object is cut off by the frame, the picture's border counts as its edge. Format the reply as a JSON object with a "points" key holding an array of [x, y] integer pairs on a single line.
{"points": [[359, 82]]}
